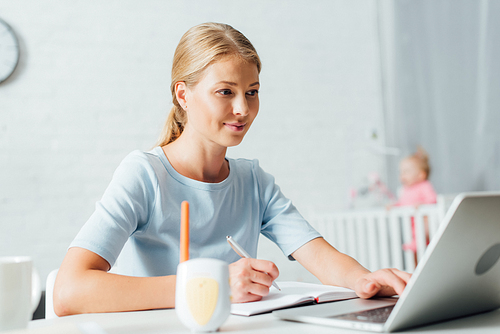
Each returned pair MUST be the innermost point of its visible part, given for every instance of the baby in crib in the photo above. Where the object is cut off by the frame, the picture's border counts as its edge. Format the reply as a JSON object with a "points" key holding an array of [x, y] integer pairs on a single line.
{"points": [[414, 173]]}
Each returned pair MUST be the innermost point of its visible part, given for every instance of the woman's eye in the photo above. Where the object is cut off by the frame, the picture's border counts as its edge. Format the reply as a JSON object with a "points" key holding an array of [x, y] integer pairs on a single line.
{"points": [[224, 92], [253, 92]]}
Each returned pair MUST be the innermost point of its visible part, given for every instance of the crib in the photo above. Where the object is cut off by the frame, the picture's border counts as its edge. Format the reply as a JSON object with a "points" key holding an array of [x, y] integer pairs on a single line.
{"points": [[375, 237]]}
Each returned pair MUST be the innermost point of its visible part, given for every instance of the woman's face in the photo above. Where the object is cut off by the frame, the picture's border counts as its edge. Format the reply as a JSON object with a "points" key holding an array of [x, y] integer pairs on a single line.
{"points": [[223, 104]]}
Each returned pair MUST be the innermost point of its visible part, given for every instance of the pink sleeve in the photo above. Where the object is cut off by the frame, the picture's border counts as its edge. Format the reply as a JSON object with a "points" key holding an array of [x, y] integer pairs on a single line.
{"points": [[428, 194]]}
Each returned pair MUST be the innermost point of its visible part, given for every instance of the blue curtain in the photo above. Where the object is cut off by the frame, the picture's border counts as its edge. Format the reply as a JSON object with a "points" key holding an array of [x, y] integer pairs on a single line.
{"points": [[441, 84]]}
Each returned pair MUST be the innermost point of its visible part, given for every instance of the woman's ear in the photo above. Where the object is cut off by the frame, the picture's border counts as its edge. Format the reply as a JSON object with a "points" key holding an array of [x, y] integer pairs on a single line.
{"points": [[180, 94]]}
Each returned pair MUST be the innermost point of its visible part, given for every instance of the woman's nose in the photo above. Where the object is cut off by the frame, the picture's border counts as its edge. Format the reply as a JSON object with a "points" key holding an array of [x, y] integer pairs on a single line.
{"points": [[240, 107]]}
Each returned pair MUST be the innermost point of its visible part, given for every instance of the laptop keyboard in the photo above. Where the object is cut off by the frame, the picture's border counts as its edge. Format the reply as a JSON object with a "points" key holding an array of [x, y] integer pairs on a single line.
{"points": [[377, 315]]}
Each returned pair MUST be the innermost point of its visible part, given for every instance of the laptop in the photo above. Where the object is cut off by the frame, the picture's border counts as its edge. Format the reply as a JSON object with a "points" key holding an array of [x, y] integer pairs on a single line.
{"points": [[459, 275]]}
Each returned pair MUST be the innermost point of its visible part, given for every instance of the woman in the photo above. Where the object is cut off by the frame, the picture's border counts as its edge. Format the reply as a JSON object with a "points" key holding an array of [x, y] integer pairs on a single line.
{"points": [[215, 84]]}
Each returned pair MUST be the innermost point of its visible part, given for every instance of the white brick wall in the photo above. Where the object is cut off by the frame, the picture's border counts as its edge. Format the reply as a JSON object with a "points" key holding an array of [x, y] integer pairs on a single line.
{"points": [[93, 85]]}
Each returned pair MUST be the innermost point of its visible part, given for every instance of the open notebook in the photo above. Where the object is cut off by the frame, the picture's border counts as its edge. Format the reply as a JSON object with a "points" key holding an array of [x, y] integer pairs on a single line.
{"points": [[293, 294]]}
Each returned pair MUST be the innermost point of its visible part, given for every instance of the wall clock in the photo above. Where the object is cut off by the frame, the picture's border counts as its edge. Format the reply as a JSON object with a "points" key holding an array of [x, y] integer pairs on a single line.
{"points": [[9, 51]]}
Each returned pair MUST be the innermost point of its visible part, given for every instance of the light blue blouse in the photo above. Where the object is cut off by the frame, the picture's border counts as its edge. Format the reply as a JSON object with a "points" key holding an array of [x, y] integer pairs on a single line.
{"points": [[138, 216]]}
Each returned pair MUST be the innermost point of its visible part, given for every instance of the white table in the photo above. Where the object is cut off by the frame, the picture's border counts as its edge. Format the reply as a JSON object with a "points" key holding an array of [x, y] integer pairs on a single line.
{"points": [[166, 321]]}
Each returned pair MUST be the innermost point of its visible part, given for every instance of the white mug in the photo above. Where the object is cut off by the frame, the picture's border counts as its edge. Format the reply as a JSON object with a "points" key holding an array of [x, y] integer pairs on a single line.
{"points": [[19, 291], [202, 294]]}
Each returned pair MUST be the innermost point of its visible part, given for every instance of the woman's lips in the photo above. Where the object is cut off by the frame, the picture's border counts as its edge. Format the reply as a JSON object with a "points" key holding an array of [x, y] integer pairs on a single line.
{"points": [[236, 126]]}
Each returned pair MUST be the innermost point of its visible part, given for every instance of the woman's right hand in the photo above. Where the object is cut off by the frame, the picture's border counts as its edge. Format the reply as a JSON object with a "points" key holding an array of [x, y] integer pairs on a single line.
{"points": [[250, 279]]}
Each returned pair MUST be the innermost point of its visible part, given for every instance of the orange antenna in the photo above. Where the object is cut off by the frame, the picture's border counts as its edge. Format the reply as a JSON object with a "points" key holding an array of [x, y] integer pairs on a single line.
{"points": [[184, 231]]}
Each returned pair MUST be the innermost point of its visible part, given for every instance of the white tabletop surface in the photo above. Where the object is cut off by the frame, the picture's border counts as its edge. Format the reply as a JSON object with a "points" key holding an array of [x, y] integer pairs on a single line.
{"points": [[166, 321]]}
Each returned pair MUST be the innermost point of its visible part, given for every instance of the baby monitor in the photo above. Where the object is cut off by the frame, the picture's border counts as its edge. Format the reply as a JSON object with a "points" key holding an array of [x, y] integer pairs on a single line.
{"points": [[202, 294]]}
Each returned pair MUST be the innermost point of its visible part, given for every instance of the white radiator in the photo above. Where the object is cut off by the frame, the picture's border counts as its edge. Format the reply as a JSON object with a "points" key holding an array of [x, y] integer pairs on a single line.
{"points": [[375, 237]]}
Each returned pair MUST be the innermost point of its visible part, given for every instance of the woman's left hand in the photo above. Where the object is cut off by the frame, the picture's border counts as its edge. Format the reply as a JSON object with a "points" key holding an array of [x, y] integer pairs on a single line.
{"points": [[382, 283]]}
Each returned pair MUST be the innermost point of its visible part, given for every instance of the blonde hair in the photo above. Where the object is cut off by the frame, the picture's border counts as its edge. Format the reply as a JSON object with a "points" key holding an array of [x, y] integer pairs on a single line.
{"points": [[422, 159], [199, 47]]}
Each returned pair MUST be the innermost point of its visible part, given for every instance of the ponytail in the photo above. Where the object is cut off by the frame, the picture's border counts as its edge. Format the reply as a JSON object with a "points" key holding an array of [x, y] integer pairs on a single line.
{"points": [[422, 159], [173, 127]]}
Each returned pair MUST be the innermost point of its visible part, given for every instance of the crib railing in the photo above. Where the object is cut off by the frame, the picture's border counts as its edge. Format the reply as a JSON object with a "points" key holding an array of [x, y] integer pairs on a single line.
{"points": [[376, 237]]}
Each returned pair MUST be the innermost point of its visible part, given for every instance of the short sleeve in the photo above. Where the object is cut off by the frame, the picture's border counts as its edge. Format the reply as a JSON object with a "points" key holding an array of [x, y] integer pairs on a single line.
{"points": [[428, 194], [281, 221], [124, 208]]}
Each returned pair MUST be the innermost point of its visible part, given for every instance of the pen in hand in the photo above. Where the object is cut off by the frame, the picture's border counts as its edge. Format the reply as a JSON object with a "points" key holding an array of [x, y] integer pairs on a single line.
{"points": [[241, 252]]}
